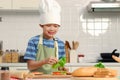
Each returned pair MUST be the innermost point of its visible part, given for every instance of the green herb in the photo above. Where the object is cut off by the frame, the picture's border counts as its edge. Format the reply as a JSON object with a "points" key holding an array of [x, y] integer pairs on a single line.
{"points": [[99, 65], [60, 63]]}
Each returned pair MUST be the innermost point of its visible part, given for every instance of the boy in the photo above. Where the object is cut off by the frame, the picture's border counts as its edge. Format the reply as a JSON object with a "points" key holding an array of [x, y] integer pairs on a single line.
{"points": [[45, 50]]}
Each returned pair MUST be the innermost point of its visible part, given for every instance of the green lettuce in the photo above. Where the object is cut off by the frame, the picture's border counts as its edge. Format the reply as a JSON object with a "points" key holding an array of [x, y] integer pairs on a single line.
{"points": [[60, 63], [99, 65]]}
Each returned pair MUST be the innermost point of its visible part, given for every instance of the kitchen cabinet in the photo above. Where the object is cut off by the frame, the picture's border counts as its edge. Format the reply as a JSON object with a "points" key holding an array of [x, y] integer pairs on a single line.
{"points": [[25, 4], [19, 5], [5, 4]]}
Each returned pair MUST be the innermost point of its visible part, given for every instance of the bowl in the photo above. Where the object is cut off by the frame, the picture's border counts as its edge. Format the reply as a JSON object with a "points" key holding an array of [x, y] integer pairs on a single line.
{"points": [[108, 55]]}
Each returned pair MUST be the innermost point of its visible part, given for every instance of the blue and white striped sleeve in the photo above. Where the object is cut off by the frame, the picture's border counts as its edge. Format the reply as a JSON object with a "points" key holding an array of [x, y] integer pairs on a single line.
{"points": [[30, 51]]}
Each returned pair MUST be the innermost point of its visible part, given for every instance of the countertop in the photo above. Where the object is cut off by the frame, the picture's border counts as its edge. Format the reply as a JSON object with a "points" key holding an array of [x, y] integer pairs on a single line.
{"points": [[91, 64], [67, 64]]}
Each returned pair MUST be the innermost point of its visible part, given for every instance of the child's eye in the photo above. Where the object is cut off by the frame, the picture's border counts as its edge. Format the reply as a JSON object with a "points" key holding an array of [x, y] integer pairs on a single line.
{"points": [[56, 25]]}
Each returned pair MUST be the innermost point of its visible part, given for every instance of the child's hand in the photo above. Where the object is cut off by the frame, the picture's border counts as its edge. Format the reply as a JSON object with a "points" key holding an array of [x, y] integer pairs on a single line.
{"points": [[51, 60]]}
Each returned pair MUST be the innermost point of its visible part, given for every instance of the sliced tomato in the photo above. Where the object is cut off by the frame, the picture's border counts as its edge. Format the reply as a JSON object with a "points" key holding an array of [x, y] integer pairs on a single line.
{"points": [[56, 73], [59, 73]]}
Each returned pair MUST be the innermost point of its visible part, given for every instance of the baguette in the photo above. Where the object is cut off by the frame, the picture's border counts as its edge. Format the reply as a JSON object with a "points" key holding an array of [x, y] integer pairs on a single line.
{"points": [[84, 72], [94, 72], [113, 72], [105, 72]]}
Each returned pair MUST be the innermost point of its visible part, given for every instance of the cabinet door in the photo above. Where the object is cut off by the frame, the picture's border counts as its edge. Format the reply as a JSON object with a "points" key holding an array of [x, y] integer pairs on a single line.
{"points": [[26, 4], [5, 4]]}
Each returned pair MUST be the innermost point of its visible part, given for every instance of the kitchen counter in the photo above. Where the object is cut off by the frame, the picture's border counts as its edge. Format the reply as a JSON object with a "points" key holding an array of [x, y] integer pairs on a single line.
{"points": [[52, 77], [13, 64], [45, 77], [91, 64], [71, 66], [67, 65], [68, 77]]}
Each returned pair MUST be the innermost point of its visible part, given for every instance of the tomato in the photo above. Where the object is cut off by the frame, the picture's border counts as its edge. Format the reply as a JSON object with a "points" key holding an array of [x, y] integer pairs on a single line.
{"points": [[56, 73], [59, 73]]}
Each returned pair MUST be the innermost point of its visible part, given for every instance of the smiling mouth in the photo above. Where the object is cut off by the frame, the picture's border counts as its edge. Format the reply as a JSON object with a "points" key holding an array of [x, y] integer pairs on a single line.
{"points": [[51, 33]]}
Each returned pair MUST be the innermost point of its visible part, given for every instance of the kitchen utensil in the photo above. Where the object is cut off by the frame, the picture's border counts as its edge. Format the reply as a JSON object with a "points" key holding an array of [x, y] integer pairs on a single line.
{"points": [[67, 48], [109, 55], [75, 45], [68, 44]]}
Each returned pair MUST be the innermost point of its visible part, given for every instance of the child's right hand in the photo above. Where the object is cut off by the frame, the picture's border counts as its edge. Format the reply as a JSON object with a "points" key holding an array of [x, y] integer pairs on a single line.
{"points": [[51, 60]]}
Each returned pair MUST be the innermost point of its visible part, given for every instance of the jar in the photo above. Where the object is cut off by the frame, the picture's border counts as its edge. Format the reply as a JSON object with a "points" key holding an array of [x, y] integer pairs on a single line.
{"points": [[80, 57], [5, 74]]}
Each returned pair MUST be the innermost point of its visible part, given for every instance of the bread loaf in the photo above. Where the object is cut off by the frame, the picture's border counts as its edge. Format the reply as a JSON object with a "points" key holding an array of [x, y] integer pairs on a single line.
{"points": [[113, 72], [84, 72], [18, 74], [105, 72], [93, 71]]}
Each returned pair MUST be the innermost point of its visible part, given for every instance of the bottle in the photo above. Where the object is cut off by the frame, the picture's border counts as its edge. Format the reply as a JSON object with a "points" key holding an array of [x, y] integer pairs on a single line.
{"points": [[5, 74]]}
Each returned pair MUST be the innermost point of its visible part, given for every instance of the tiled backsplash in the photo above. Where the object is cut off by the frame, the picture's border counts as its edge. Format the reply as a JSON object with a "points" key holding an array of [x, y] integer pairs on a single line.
{"points": [[96, 32]]}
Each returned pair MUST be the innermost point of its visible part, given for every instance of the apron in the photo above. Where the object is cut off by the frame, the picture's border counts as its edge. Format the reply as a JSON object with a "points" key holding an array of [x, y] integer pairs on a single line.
{"points": [[46, 52]]}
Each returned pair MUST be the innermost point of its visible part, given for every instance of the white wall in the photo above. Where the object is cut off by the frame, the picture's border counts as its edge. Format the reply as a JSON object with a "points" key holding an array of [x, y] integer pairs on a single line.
{"points": [[96, 32]]}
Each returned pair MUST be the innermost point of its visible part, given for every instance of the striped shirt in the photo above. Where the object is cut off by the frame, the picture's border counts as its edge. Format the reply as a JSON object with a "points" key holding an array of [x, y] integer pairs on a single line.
{"points": [[31, 49]]}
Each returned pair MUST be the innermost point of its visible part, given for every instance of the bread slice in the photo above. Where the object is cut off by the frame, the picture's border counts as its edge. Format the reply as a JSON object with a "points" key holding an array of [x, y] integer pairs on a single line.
{"points": [[105, 72]]}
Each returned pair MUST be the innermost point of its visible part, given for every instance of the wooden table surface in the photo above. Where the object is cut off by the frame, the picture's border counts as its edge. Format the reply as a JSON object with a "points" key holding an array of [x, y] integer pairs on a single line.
{"points": [[52, 76]]}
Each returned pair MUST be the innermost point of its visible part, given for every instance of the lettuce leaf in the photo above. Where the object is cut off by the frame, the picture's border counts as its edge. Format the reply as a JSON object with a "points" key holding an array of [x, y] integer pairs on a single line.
{"points": [[60, 63], [99, 65]]}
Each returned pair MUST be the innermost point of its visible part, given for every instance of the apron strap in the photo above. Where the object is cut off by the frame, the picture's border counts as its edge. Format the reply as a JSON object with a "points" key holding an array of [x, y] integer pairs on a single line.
{"points": [[55, 45], [56, 48]]}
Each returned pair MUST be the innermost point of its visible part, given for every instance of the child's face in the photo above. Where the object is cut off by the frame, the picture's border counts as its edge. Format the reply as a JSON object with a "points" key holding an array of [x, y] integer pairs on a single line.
{"points": [[49, 30]]}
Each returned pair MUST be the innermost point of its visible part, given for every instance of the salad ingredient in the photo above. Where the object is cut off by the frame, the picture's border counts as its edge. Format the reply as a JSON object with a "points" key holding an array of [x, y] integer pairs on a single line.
{"points": [[99, 65]]}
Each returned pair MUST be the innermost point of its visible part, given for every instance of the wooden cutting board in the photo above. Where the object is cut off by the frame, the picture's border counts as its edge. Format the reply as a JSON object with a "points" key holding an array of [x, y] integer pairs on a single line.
{"points": [[52, 76], [92, 78]]}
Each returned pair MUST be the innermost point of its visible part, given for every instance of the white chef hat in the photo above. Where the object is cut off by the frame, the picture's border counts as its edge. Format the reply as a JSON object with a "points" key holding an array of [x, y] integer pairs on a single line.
{"points": [[50, 12]]}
